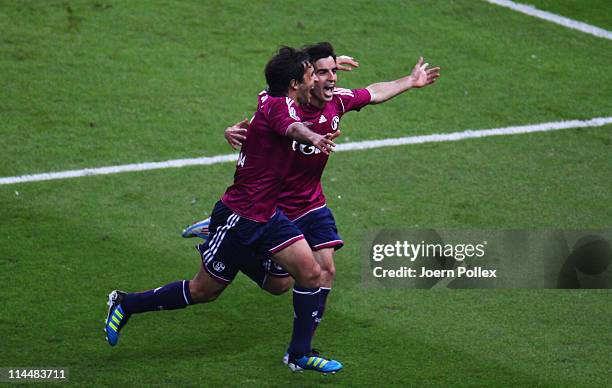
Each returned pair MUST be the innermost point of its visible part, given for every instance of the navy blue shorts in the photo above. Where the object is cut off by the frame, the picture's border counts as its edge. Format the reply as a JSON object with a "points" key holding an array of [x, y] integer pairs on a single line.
{"points": [[234, 239], [319, 229]]}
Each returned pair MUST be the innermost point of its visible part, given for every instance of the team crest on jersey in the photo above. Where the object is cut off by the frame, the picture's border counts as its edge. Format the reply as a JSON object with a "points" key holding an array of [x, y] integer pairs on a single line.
{"points": [[335, 122], [218, 266]]}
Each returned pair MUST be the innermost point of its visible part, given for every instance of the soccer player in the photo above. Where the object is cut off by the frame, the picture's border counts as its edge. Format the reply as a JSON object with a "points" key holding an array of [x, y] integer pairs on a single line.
{"points": [[302, 199], [245, 224]]}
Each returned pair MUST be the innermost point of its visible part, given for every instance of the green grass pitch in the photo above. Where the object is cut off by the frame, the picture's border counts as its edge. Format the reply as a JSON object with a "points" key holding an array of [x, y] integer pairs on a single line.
{"points": [[102, 82]]}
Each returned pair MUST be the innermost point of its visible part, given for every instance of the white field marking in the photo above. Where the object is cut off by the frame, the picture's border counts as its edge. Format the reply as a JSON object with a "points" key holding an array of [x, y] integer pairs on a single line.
{"points": [[471, 134], [46, 176], [551, 17], [359, 145]]}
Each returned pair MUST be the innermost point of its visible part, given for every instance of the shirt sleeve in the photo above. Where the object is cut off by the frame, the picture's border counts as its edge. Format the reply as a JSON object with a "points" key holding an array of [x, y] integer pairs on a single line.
{"points": [[354, 99], [282, 113]]}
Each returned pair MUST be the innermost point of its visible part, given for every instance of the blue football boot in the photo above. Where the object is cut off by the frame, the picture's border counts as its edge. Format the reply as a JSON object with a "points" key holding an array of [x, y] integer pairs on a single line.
{"points": [[314, 361], [198, 229], [116, 317]]}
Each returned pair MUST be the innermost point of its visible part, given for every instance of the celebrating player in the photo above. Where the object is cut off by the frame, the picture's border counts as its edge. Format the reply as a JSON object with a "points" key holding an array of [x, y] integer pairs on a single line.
{"points": [[245, 224], [302, 199]]}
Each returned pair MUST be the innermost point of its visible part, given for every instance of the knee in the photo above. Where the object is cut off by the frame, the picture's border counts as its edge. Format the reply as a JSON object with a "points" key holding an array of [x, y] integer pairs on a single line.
{"points": [[200, 294], [328, 271], [278, 285], [310, 277]]}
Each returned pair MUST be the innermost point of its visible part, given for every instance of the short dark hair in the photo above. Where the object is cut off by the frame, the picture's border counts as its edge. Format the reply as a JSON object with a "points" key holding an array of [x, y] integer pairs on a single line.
{"points": [[287, 65], [319, 51]]}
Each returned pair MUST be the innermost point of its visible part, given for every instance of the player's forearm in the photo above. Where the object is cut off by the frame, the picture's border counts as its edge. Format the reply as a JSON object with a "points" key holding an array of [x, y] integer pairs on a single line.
{"points": [[383, 91], [300, 133]]}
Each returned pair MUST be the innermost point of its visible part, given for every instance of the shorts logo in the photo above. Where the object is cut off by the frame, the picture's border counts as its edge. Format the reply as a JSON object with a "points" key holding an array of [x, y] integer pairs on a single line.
{"points": [[218, 266], [277, 267]]}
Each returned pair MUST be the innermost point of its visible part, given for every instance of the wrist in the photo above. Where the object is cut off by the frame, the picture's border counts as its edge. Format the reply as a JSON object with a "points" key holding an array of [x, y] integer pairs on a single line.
{"points": [[410, 81]]}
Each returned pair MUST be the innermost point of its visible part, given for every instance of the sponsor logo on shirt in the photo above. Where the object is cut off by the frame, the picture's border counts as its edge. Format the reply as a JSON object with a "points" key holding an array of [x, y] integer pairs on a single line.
{"points": [[305, 149]]}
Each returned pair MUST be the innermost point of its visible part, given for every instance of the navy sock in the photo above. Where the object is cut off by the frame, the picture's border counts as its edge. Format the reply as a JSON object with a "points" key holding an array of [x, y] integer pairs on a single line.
{"points": [[305, 306], [324, 292], [169, 297]]}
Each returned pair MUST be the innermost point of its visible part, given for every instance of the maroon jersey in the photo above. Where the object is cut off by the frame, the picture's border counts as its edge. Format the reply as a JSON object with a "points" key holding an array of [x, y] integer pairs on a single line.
{"points": [[303, 192], [264, 160]]}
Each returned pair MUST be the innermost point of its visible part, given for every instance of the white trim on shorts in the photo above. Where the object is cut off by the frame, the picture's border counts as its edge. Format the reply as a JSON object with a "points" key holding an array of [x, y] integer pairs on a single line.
{"points": [[309, 211], [296, 238], [217, 239], [185, 295]]}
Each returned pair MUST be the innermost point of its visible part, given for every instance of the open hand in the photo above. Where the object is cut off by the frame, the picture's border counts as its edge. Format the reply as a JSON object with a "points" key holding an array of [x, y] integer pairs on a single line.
{"points": [[236, 134], [342, 60], [324, 143], [333, 135], [422, 75]]}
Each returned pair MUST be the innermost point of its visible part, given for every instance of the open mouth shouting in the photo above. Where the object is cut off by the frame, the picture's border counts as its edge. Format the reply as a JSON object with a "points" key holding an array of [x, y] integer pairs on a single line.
{"points": [[328, 91]]}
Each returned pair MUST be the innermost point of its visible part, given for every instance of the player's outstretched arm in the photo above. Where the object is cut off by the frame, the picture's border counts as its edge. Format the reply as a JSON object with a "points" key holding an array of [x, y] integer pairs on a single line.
{"points": [[236, 134], [420, 76], [300, 133]]}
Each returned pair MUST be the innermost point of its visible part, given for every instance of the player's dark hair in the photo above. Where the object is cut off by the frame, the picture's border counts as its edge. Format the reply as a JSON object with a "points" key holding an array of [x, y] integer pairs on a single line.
{"points": [[288, 64], [319, 51]]}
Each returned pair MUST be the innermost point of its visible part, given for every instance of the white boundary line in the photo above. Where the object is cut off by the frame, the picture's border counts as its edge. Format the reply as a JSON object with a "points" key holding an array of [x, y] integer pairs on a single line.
{"points": [[551, 17], [360, 145], [471, 134]]}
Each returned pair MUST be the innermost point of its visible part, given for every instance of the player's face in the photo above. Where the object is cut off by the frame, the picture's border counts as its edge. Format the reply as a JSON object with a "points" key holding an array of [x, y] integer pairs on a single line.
{"points": [[325, 69], [310, 78]]}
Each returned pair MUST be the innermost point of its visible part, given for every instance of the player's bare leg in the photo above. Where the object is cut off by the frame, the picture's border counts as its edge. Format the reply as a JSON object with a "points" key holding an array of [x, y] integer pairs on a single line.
{"points": [[299, 261], [278, 285], [204, 288], [325, 258]]}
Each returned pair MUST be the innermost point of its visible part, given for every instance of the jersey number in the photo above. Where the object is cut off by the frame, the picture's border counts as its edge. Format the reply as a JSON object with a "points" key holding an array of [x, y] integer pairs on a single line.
{"points": [[241, 160]]}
